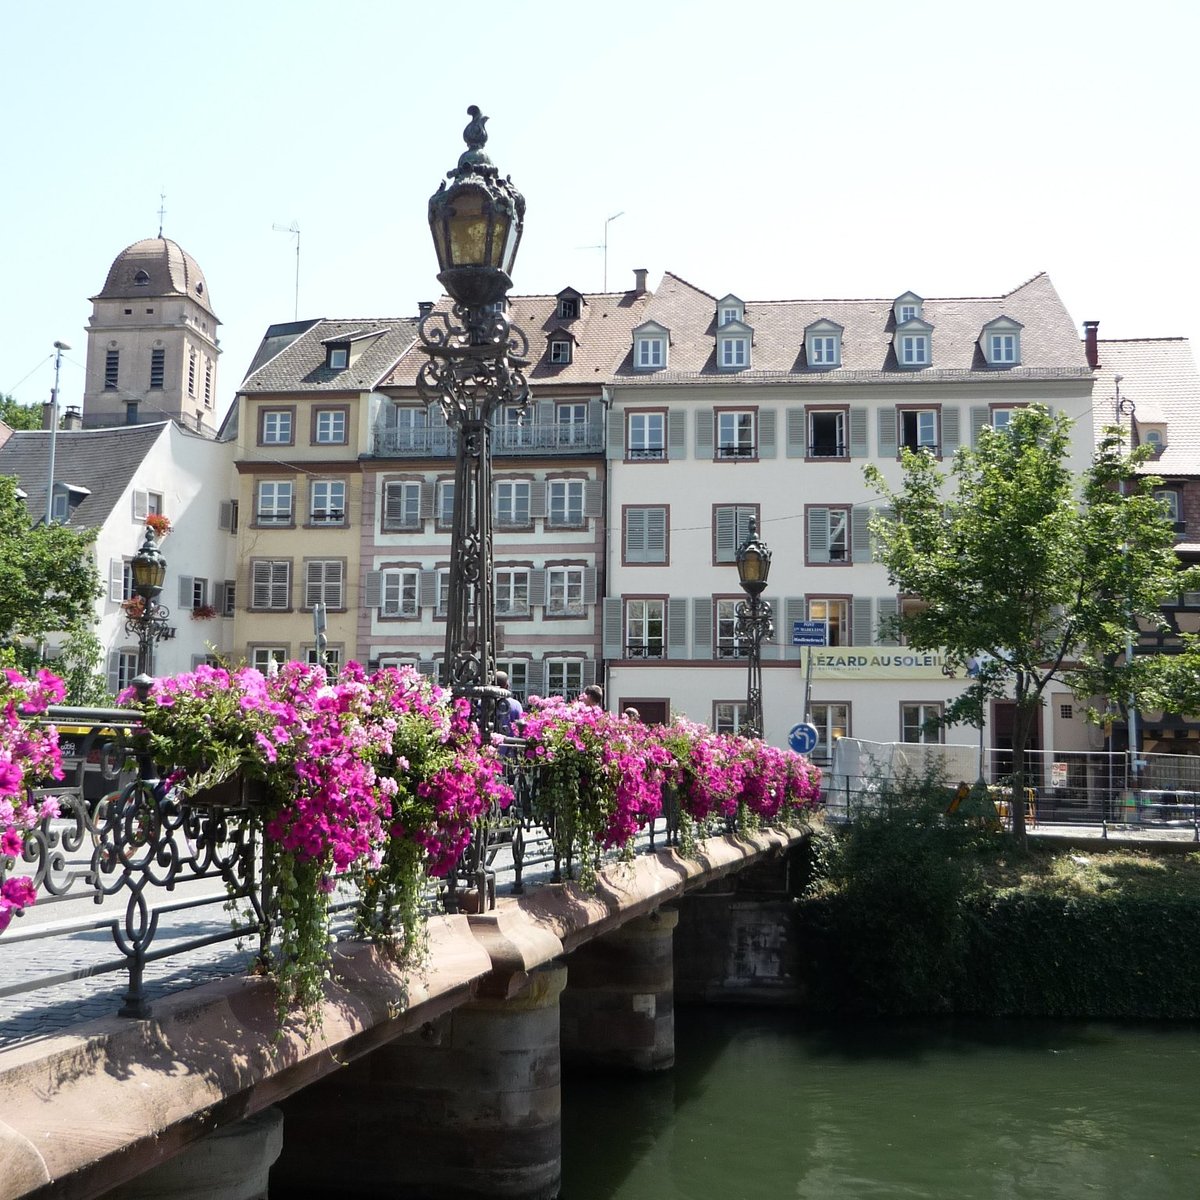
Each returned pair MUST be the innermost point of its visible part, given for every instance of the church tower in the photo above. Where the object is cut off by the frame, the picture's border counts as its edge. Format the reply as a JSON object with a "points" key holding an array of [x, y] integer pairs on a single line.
{"points": [[152, 342]]}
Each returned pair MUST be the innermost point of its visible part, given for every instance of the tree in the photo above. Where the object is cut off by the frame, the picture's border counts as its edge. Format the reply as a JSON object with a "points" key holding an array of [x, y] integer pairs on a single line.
{"points": [[20, 416], [48, 579], [1026, 573]]}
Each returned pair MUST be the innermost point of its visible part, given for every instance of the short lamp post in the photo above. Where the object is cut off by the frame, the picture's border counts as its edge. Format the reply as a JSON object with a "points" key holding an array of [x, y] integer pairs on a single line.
{"points": [[475, 371], [149, 623], [754, 622]]}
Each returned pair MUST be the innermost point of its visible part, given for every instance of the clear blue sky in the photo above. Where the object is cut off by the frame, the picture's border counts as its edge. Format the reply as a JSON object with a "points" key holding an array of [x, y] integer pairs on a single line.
{"points": [[773, 149]]}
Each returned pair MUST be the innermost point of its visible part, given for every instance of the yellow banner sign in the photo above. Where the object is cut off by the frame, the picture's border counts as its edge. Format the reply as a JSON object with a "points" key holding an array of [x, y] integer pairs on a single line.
{"points": [[870, 662]]}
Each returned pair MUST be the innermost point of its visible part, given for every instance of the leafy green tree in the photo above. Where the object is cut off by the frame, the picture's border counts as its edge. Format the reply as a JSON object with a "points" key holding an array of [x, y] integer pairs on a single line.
{"points": [[48, 579], [1027, 572], [80, 665], [20, 416]]}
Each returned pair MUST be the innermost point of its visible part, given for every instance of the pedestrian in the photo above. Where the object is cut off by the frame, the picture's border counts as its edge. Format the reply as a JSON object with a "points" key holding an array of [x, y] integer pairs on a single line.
{"points": [[632, 714], [508, 710], [593, 695]]}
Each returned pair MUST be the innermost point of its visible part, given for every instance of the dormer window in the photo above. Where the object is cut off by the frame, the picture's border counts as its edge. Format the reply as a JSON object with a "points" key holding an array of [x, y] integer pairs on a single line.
{"points": [[568, 304], [914, 350], [142, 279], [1000, 342], [908, 307], [823, 344], [730, 309], [734, 340], [651, 343], [337, 356], [560, 352]]}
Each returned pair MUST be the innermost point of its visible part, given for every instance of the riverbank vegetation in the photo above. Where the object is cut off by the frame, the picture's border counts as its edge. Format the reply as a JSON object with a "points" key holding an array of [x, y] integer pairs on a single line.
{"points": [[910, 911]]}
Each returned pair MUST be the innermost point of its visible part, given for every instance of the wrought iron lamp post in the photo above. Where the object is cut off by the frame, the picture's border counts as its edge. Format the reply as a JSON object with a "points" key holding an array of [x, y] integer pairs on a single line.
{"points": [[475, 370], [1126, 407], [754, 621], [149, 569]]}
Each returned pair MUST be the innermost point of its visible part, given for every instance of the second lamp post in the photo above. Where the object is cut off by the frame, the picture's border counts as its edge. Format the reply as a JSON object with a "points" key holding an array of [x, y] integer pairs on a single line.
{"points": [[754, 622]]}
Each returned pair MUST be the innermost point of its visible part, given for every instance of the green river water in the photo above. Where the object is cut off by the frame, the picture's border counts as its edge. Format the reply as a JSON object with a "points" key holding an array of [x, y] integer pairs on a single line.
{"points": [[763, 1105]]}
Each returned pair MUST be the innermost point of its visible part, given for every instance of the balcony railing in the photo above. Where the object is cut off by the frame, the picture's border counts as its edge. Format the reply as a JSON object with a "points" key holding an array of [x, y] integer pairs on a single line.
{"points": [[523, 439]]}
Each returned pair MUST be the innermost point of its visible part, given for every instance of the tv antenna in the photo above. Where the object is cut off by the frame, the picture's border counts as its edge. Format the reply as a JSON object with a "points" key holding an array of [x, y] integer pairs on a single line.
{"points": [[604, 245], [293, 228]]}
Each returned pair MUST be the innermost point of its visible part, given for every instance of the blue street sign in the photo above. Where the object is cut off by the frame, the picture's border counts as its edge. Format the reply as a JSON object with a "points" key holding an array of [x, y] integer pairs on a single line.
{"points": [[810, 633], [803, 738]]}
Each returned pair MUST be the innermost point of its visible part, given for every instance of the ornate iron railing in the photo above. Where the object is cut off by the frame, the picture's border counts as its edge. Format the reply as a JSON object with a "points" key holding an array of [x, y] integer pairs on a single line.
{"points": [[533, 437]]}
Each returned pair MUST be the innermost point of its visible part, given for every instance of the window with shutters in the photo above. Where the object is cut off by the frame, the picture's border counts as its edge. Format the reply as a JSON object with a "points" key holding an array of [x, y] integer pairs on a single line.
{"points": [[645, 628], [571, 424], [112, 370], [445, 503], [275, 426], [827, 433], [399, 593], [332, 654], [154, 504], [645, 539], [191, 375], [228, 598], [158, 367], [919, 429], [565, 592], [919, 723], [329, 426], [512, 503], [327, 502], [401, 504], [512, 592], [728, 642], [731, 527], [270, 584], [564, 677], [273, 502], [735, 434], [645, 436], [199, 595], [324, 582], [443, 596], [729, 716], [835, 612], [832, 722], [126, 664], [268, 659], [565, 503], [828, 539]]}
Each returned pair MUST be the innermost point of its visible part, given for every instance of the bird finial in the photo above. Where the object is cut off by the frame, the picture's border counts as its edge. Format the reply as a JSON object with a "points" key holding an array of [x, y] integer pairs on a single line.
{"points": [[475, 134]]}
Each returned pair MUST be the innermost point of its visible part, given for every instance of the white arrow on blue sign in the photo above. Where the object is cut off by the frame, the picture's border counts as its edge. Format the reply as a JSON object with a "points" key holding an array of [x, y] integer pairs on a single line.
{"points": [[803, 738]]}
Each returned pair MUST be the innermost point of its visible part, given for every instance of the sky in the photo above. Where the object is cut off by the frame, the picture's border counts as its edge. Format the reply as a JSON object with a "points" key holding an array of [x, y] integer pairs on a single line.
{"points": [[776, 149]]}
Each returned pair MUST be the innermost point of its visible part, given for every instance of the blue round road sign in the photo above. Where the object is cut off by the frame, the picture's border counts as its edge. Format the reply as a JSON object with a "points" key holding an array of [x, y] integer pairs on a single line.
{"points": [[803, 738]]}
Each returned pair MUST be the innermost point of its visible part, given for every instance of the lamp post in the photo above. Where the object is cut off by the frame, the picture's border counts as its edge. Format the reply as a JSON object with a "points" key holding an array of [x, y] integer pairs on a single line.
{"points": [[475, 370], [754, 621], [1125, 406], [149, 569]]}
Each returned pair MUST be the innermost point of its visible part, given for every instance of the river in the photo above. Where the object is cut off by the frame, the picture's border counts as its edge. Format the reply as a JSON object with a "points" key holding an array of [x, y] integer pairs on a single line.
{"points": [[763, 1105]]}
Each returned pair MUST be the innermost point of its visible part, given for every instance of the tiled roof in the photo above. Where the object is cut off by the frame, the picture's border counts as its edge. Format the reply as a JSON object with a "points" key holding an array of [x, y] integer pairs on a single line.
{"points": [[1049, 340], [101, 460], [171, 271], [1159, 377], [297, 363]]}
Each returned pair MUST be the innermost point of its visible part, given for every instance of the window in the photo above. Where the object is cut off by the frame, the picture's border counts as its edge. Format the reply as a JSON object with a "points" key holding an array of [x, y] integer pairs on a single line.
{"points": [[560, 352], [835, 614], [826, 434], [207, 384], [828, 534], [399, 595], [729, 643], [735, 353], [158, 367], [907, 312], [1066, 712], [919, 429], [327, 502], [274, 505], [564, 677], [126, 668], [729, 716], [1004, 347], [126, 580], [914, 350], [270, 583], [60, 504], [571, 423], [154, 504], [199, 593], [409, 427], [228, 598], [735, 434], [645, 623], [832, 722], [338, 357], [276, 427], [568, 308], [1170, 499], [513, 430], [565, 502], [330, 427], [650, 353], [645, 439], [913, 718], [1001, 419], [401, 504], [823, 350], [445, 503], [729, 314], [268, 659], [564, 592], [512, 502], [645, 535], [443, 596], [517, 670], [333, 658], [191, 373], [112, 370], [323, 579], [141, 279], [512, 593], [731, 527]]}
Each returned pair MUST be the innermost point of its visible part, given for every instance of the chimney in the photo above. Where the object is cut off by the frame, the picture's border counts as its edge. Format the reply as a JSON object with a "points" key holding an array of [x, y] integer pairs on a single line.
{"points": [[639, 280], [72, 418], [1091, 331], [49, 409], [424, 308]]}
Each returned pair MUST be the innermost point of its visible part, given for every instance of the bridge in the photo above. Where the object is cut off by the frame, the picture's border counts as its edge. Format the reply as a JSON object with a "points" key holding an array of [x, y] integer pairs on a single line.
{"points": [[443, 1080]]}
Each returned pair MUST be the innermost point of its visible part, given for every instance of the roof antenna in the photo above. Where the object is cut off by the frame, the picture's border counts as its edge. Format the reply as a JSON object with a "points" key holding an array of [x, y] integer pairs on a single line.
{"points": [[604, 245], [162, 210], [294, 227]]}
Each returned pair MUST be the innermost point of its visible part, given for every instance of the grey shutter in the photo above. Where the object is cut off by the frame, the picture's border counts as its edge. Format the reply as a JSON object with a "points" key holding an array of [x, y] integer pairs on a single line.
{"points": [[427, 589], [860, 535], [595, 417], [888, 445], [589, 585], [428, 666], [858, 433], [981, 418], [225, 515], [677, 628], [950, 434], [702, 627], [796, 433], [537, 498], [726, 533], [428, 499], [537, 588], [818, 535], [187, 592], [373, 590], [616, 433], [613, 630], [113, 670], [593, 670], [593, 499], [314, 583], [656, 535], [535, 679], [887, 608], [636, 521], [545, 413], [141, 505], [676, 433], [704, 433], [795, 608], [861, 620], [260, 582], [116, 579], [766, 433]]}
